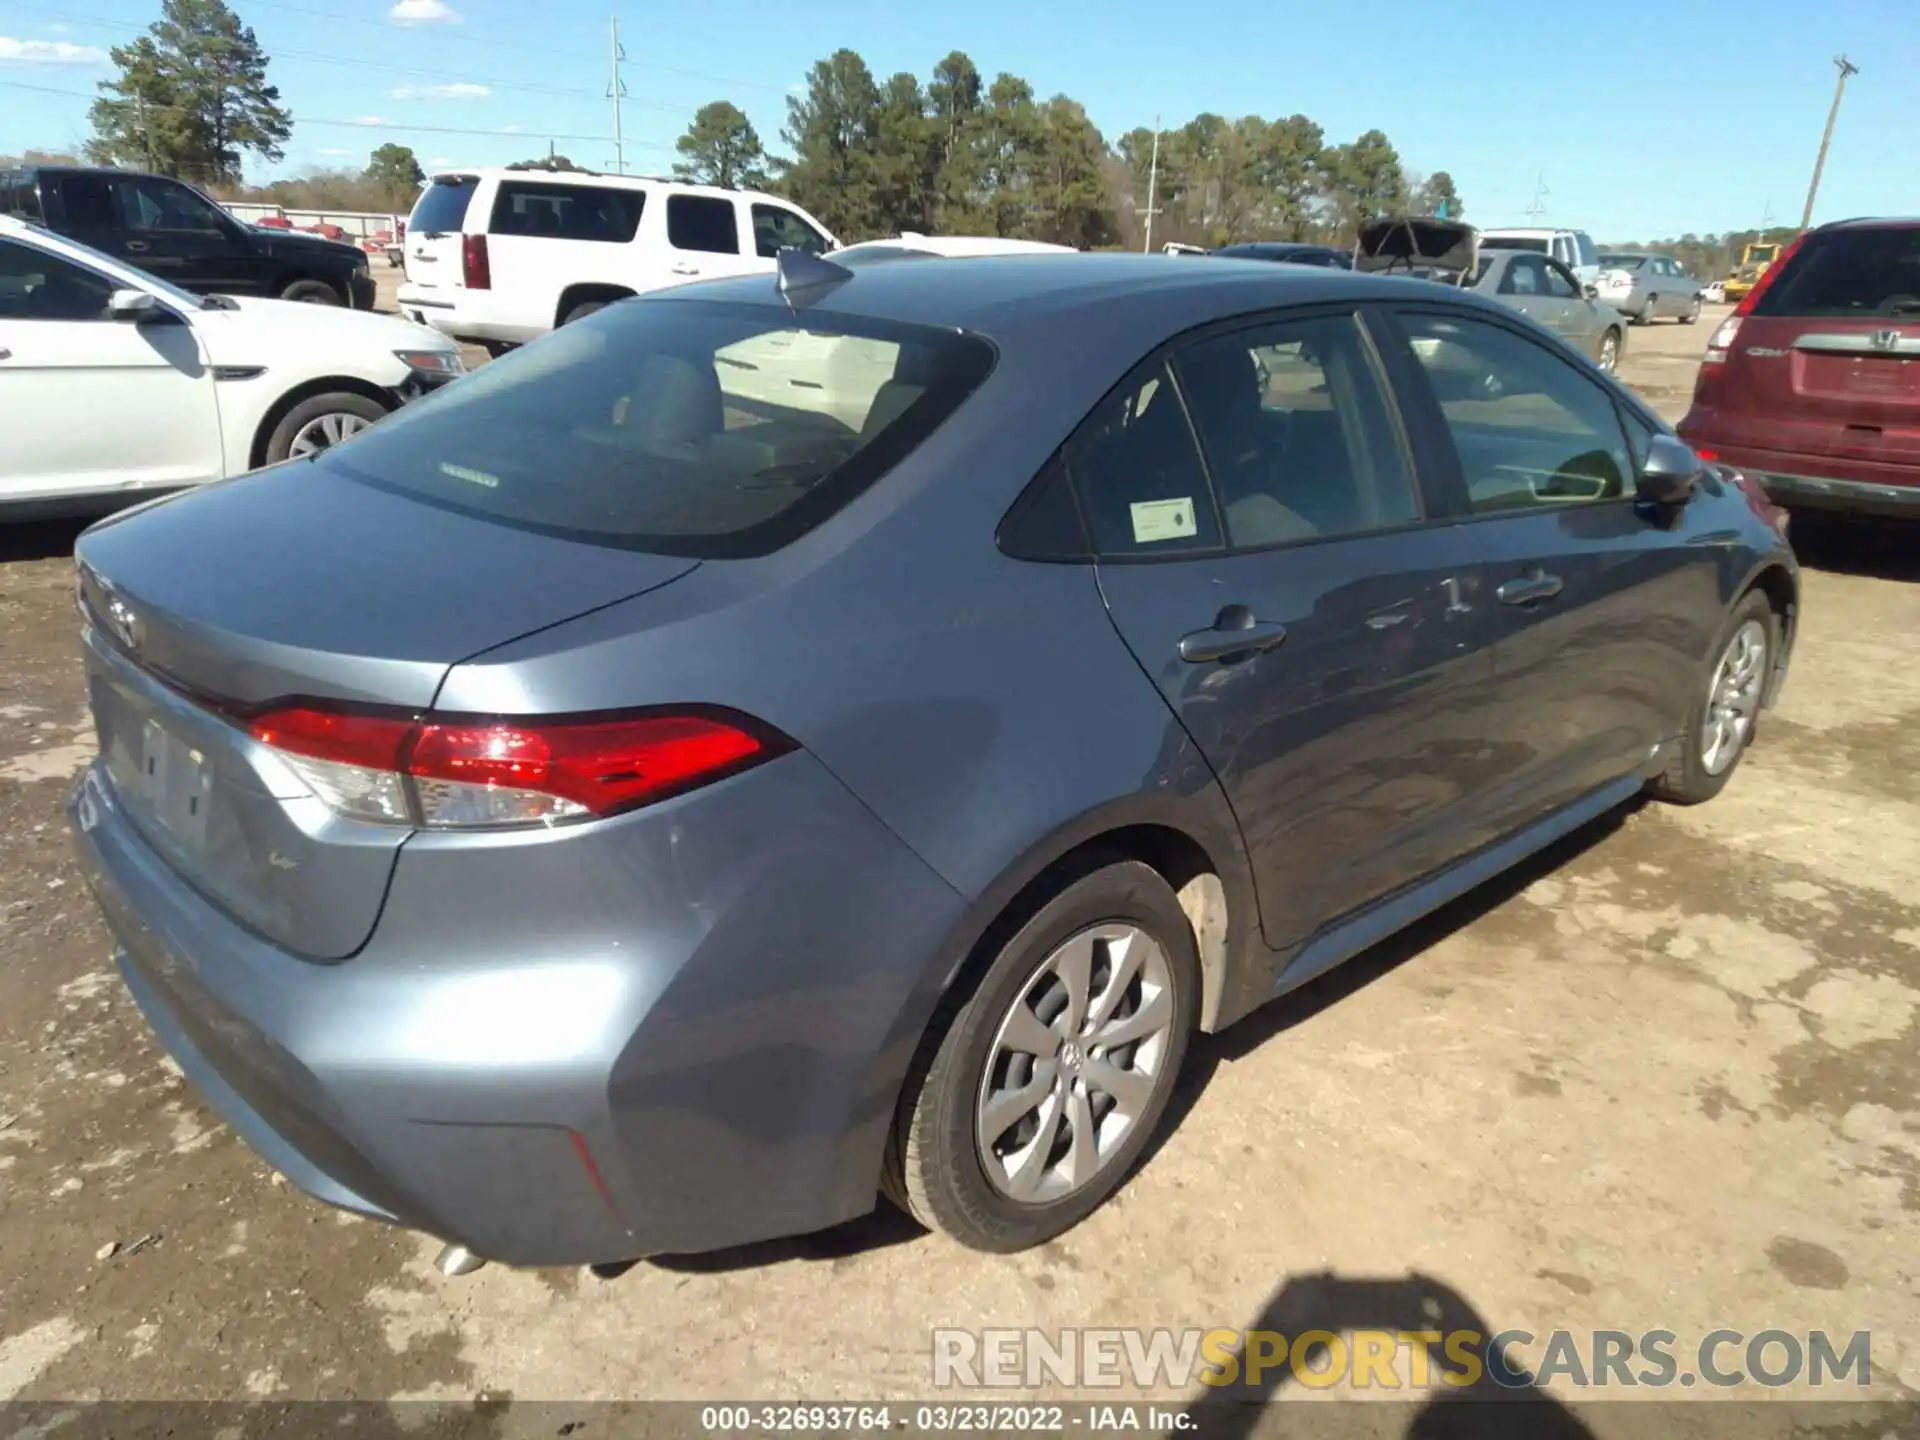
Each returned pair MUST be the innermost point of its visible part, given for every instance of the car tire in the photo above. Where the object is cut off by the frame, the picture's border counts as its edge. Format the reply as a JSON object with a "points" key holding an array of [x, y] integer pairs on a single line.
{"points": [[1649, 312], [973, 1069], [582, 310], [1737, 673], [320, 422], [1609, 357], [311, 292], [1693, 311], [496, 348]]}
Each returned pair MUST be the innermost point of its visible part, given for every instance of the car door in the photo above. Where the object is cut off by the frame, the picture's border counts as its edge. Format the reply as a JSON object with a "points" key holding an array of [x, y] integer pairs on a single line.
{"points": [[1524, 287], [174, 232], [1267, 553], [708, 237], [1574, 316], [1602, 606], [95, 404]]}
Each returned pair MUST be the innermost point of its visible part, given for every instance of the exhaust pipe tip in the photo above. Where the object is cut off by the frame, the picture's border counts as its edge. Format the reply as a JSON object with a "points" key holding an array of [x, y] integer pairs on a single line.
{"points": [[457, 1260]]}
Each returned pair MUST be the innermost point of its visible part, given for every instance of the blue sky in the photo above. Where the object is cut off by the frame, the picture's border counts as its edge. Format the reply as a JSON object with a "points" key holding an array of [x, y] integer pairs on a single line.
{"points": [[1648, 117]]}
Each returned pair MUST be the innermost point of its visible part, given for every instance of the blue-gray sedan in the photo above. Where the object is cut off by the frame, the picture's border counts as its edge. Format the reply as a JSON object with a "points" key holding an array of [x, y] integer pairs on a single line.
{"points": [[767, 746]]}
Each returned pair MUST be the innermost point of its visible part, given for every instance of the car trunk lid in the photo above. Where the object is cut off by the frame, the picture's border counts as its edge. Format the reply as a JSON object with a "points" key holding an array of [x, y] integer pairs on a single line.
{"points": [[206, 609]]}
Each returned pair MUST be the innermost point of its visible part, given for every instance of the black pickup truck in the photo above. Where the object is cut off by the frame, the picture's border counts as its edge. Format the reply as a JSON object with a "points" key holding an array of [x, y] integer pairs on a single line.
{"points": [[169, 229]]}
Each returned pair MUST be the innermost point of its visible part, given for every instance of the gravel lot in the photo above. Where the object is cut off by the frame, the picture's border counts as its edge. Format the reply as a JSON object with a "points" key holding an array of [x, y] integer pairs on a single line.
{"points": [[1666, 1077]]}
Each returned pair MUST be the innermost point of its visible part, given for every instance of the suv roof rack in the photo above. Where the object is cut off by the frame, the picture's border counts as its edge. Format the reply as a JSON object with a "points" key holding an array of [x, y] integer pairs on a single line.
{"points": [[553, 167]]}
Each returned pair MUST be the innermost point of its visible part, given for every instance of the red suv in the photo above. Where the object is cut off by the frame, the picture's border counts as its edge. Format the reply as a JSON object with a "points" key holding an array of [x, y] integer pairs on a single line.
{"points": [[1812, 386]]}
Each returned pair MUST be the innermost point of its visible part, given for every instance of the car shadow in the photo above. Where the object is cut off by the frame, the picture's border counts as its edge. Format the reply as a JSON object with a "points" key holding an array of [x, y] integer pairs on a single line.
{"points": [[1338, 1304], [1208, 1052], [1851, 545], [884, 1226], [40, 539]]}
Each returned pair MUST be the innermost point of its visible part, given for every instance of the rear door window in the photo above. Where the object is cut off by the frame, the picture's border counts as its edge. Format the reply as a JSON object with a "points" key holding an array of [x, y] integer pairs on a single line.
{"points": [[1850, 274], [566, 212], [88, 202], [1583, 245], [675, 426], [442, 207], [705, 223]]}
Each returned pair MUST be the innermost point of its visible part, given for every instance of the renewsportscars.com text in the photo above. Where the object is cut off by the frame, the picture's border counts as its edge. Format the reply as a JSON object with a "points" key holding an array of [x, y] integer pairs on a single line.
{"points": [[1396, 1359]]}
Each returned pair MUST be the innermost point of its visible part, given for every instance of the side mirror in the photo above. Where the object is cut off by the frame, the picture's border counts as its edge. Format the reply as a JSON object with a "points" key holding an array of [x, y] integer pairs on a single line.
{"points": [[133, 305], [1591, 291], [1670, 472]]}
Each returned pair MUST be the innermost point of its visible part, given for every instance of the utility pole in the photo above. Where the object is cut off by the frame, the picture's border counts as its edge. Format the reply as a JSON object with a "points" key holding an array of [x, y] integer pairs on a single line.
{"points": [[1538, 206], [1153, 185], [616, 92], [146, 134], [1846, 67]]}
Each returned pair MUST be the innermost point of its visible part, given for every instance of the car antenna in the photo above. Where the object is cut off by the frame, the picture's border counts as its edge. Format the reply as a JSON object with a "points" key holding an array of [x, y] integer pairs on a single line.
{"points": [[804, 277]]}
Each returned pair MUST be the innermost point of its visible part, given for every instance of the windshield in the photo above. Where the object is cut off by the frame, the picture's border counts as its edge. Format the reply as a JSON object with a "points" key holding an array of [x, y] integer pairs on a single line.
{"points": [[1849, 273], [676, 426], [122, 274], [1514, 242], [1763, 254], [1623, 262]]}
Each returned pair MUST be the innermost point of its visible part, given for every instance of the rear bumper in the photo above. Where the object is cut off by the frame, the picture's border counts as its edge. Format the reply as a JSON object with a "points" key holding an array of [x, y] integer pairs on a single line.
{"points": [[1816, 482], [466, 315], [675, 1031]]}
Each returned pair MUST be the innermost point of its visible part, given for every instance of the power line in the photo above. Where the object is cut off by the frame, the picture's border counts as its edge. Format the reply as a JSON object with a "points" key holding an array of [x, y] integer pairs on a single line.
{"points": [[407, 71], [509, 134]]}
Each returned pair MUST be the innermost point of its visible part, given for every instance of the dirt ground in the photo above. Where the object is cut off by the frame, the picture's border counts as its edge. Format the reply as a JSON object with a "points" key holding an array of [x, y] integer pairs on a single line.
{"points": [[1664, 1078]]}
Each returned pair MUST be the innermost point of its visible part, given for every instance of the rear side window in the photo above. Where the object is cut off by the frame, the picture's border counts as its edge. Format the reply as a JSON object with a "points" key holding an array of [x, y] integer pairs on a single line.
{"points": [[1142, 488], [88, 202], [442, 207], [1849, 274], [1515, 242], [566, 212], [702, 222], [675, 426], [20, 195]]}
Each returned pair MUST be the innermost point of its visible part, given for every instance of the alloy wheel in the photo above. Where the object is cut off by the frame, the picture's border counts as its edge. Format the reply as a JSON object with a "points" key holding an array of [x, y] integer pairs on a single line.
{"points": [[323, 432], [1609, 351], [1733, 697], [1079, 1057]]}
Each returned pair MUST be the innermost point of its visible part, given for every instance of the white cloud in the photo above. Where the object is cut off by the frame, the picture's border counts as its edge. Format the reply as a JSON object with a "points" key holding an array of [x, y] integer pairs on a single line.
{"points": [[369, 120], [422, 12], [47, 52], [460, 90], [439, 160], [510, 130], [56, 28]]}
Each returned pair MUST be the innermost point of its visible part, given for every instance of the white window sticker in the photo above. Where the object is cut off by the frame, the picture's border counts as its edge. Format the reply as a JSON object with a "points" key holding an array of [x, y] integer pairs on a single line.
{"points": [[1163, 520]]}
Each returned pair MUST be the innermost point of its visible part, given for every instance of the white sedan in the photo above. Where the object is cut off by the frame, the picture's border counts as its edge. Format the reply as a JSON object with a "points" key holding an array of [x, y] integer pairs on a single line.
{"points": [[116, 384]]}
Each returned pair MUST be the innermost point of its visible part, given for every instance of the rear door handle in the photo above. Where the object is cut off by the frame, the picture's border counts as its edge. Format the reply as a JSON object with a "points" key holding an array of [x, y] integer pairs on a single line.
{"points": [[5, 354], [1530, 589], [1231, 638], [686, 269], [137, 246]]}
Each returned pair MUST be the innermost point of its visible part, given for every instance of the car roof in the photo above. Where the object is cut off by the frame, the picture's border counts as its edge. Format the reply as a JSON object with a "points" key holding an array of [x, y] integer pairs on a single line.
{"points": [[1114, 298], [1864, 222], [589, 177], [960, 246], [1531, 232]]}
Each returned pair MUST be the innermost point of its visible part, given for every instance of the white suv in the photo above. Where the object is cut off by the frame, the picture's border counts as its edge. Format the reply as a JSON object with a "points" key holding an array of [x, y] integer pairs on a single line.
{"points": [[503, 255]]}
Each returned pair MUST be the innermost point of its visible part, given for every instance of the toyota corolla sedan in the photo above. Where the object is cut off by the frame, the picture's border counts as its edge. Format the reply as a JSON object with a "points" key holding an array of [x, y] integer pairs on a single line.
{"points": [[611, 810]]}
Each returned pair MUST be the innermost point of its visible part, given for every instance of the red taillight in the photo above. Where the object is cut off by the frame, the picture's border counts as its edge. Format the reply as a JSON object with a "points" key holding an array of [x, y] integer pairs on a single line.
{"points": [[602, 767], [1710, 456], [459, 772], [475, 263], [1768, 276]]}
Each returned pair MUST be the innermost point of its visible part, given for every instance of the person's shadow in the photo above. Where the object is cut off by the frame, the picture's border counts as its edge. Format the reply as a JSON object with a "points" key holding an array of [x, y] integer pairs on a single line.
{"points": [[1509, 1407]]}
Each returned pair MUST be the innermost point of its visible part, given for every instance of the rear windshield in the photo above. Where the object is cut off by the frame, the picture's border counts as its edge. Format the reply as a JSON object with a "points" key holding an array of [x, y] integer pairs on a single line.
{"points": [[1849, 273], [443, 207], [675, 426], [1623, 262], [1514, 242]]}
